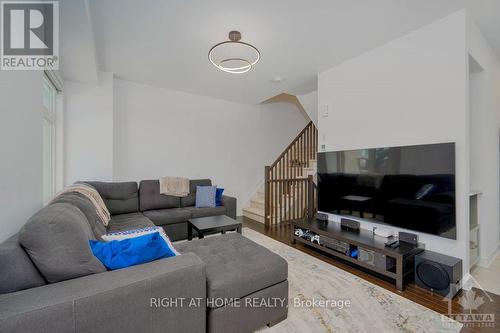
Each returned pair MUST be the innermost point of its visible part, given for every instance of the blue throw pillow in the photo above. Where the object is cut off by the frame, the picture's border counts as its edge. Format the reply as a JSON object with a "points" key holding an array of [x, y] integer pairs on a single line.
{"points": [[218, 196], [132, 251], [205, 196]]}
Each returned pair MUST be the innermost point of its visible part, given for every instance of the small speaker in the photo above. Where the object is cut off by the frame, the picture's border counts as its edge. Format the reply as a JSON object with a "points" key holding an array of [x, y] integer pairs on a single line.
{"points": [[409, 238], [439, 273], [350, 225]]}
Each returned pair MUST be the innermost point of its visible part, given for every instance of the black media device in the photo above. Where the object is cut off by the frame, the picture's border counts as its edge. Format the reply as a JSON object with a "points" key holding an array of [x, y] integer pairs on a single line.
{"points": [[409, 238], [438, 273], [411, 187], [349, 225]]}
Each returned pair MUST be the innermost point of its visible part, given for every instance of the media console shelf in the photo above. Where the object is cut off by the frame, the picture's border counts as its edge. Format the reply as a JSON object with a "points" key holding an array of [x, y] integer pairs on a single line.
{"points": [[398, 262]]}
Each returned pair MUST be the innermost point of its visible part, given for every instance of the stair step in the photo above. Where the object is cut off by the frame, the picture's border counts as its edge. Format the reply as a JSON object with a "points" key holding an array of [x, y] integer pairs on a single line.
{"points": [[254, 214], [257, 203]]}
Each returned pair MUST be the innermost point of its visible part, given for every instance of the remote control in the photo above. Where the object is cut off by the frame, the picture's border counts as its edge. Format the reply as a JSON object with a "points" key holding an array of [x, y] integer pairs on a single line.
{"points": [[391, 242], [394, 245]]}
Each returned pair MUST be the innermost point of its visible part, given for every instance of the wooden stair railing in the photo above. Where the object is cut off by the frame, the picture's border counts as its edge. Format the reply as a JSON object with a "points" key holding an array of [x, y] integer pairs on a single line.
{"points": [[289, 194]]}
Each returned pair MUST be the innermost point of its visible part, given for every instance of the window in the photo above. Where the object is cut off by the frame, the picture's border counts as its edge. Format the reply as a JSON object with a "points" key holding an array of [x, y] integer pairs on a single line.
{"points": [[49, 140]]}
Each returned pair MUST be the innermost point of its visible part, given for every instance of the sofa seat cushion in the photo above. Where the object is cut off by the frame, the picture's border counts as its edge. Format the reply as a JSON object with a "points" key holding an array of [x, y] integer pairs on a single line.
{"points": [[168, 216], [57, 240], [129, 221], [236, 266], [18, 271], [208, 211], [150, 197]]}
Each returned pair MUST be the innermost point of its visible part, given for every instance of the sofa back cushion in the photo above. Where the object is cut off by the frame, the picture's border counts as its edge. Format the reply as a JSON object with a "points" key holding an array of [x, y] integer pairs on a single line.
{"points": [[120, 198], [190, 200], [57, 240], [87, 208], [17, 270], [151, 199]]}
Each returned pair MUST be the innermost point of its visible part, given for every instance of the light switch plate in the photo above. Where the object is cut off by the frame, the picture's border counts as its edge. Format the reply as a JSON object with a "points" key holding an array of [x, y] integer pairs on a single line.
{"points": [[325, 111]]}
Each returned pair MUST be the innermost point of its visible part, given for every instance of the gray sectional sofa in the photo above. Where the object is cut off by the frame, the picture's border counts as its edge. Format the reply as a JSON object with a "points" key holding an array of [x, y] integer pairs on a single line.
{"points": [[51, 282], [145, 206]]}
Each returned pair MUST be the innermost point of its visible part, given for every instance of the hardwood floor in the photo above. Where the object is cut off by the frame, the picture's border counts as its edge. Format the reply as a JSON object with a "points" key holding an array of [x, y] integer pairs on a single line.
{"points": [[424, 297]]}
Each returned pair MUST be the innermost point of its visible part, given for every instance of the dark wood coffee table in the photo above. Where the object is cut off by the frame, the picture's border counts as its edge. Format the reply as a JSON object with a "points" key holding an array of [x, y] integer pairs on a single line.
{"points": [[211, 224]]}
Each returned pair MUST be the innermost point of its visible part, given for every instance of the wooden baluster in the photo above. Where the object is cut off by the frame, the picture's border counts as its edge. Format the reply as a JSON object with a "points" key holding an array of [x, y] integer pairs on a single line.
{"points": [[294, 197], [299, 158], [302, 154], [303, 143], [308, 145], [309, 142], [280, 210], [315, 142], [266, 196], [295, 159], [303, 199], [312, 142], [281, 168], [277, 208], [271, 198], [273, 207], [286, 164], [297, 190], [310, 197]]}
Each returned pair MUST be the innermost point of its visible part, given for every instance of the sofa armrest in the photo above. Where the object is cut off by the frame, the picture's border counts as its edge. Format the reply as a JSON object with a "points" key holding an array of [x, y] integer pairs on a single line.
{"points": [[134, 299], [230, 204]]}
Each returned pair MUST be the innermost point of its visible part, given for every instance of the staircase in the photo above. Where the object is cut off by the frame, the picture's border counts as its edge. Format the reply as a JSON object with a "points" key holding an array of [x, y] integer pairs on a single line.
{"points": [[289, 189]]}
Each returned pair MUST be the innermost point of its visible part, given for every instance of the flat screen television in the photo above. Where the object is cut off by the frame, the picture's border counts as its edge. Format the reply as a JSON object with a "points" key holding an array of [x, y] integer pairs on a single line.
{"points": [[410, 187]]}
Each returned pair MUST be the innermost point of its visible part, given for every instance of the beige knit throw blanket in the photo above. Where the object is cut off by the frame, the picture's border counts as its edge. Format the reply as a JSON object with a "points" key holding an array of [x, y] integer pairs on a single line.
{"points": [[175, 186], [90, 193]]}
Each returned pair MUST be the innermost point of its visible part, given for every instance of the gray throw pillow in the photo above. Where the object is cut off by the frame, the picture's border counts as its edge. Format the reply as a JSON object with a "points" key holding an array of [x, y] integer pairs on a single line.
{"points": [[57, 241]]}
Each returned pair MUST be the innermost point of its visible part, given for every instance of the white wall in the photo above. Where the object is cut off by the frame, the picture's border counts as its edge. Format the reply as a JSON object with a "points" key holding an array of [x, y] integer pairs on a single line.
{"points": [[310, 103], [484, 139], [409, 91], [160, 132], [20, 148], [89, 130]]}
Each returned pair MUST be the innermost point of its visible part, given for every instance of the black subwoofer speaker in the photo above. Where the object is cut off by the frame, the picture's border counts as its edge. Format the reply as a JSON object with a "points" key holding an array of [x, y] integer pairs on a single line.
{"points": [[437, 272]]}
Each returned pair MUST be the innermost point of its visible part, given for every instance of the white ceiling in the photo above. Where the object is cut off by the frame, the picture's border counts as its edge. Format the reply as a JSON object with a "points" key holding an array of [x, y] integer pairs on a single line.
{"points": [[165, 43]]}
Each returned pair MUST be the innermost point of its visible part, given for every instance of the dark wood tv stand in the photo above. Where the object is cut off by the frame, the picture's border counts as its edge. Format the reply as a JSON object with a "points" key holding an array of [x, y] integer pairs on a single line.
{"points": [[402, 255]]}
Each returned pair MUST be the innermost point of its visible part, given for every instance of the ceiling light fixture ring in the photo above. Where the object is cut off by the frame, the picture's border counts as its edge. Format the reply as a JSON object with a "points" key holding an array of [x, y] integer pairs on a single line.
{"points": [[234, 39], [235, 70]]}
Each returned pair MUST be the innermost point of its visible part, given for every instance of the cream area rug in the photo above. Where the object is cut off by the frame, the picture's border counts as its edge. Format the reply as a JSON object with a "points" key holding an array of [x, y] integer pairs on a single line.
{"points": [[324, 298]]}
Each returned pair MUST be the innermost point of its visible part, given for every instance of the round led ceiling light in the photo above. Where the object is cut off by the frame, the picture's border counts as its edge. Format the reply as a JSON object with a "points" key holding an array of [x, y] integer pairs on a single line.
{"points": [[234, 56]]}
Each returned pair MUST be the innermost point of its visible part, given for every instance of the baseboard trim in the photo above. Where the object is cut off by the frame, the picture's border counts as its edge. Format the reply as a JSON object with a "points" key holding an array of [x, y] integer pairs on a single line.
{"points": [[467, 281], [486, 262]]}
